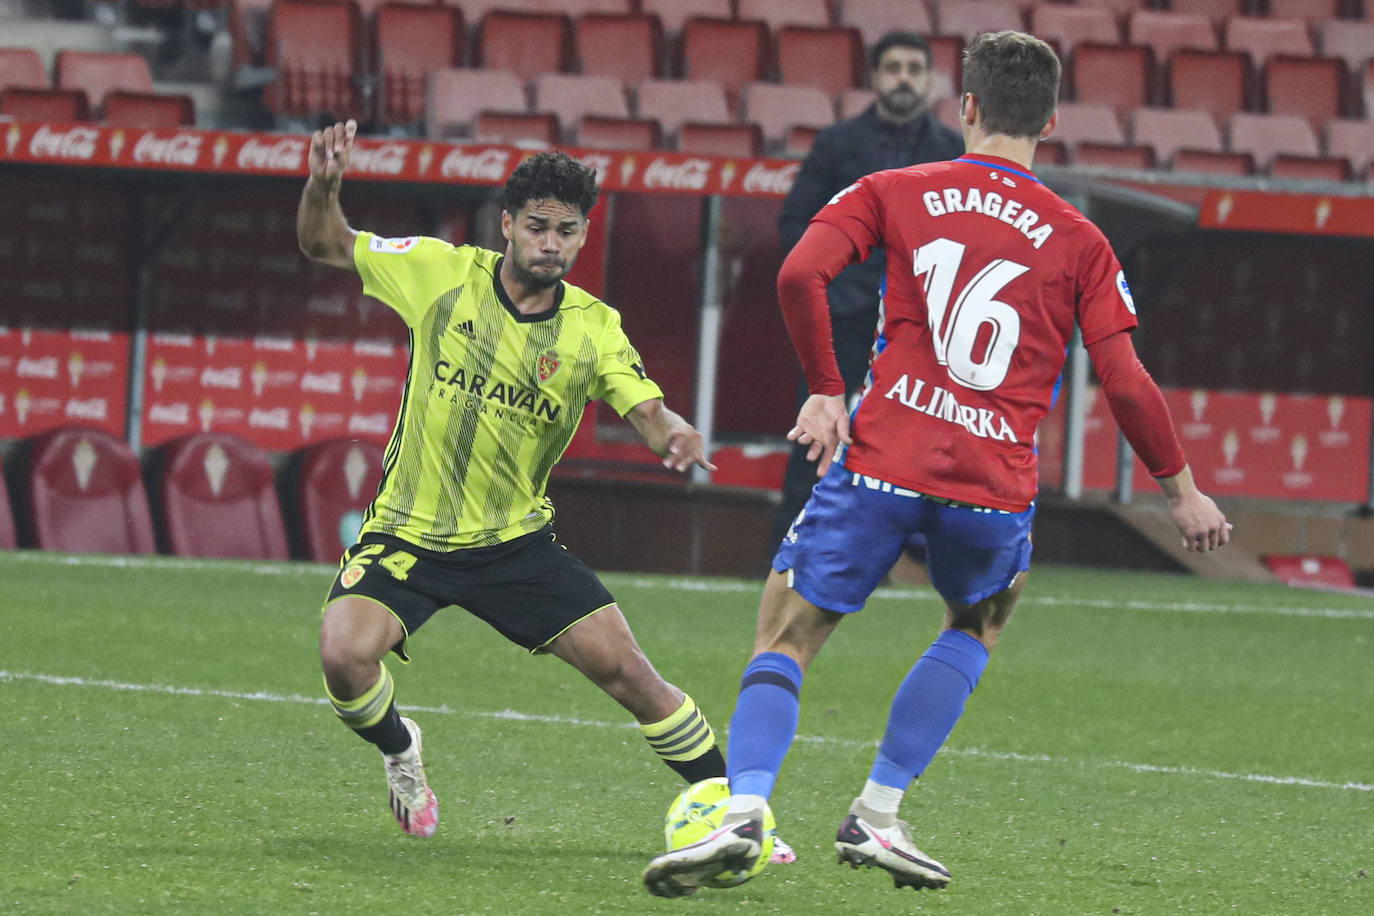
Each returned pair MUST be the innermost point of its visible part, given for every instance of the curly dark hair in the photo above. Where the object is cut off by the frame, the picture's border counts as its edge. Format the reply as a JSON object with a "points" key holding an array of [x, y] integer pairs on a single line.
{"points": [[551, 175]]}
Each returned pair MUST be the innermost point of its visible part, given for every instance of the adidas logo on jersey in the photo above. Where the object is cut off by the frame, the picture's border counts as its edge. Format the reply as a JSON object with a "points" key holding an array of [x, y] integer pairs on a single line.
{"points": [[467, 329]]}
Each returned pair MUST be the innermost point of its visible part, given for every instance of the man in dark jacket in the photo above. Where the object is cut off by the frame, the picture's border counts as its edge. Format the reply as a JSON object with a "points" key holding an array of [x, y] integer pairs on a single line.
{"points": [[897, 130]]}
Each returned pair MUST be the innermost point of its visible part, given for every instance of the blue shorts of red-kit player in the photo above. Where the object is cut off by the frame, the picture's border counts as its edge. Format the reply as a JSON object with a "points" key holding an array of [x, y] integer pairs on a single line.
{"points": [[853, 528]]}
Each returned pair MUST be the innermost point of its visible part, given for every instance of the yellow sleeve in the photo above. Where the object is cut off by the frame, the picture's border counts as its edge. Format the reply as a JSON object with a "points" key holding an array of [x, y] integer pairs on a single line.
{"points": [[400, 271], [621, 379]]}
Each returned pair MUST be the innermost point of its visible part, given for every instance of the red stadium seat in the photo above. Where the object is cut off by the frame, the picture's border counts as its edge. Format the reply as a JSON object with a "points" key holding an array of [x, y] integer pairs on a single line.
{"points": [[619, 133], [149, 109], [670, 102], [1086, 122], [1217, 82], [1167, 130], [947, 60], [533, 130], [628, 48], [571, 97], [1310, 168], [967, 18], [1354, 140], [1310, 12], [333, 483], [779, 13], [1067, 26], [217, 499], [1210, 163], [831, 60], [1114, 75], [729, 52], [776, 109], [719, 139], [799, 141], [947, 113], [456, 97], [1051, 152], [1264, 38], [1119, 8], [1164, 33], [1214, 11], [1266, 136], [675, 13], [97, 73], [22, 68], [853, 102], [526, 44], [1313, 87], [8, 541], [1353, 42], [58, 106], [315, 46], [1109, 155], [584, 7], [411, 41], [875, 18], [85, 494], [1309, 570]]}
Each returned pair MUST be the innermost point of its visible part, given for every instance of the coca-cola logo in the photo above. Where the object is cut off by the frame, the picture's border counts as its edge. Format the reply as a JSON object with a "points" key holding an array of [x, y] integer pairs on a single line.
{"points": [[178, 149], [275, 418], [486, 165], [178, 414], [387, 159], [88, 409], [377, 424], [690, 175], [72, 143], [227, 377], [323, 382], [41, 367], [373, 348], [284, 155], [760, 179]]}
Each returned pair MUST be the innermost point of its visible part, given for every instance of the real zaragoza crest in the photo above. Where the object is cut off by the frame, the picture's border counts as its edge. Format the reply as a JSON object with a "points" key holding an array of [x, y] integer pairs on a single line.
{"points": [[548, 364]]}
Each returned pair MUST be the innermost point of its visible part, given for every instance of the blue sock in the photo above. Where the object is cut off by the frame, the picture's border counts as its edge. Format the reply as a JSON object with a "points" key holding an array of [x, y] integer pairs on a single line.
{"points": [[927, 705], [764, 723]]}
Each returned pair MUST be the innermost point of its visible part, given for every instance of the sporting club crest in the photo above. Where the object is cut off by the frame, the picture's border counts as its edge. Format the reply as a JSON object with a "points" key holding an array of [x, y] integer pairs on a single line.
{"points": [[548, 364], [350, 576]]}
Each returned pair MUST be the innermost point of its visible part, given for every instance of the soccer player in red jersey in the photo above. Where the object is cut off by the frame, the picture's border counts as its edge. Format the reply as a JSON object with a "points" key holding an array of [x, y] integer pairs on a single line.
{"points": [[988, 273]]}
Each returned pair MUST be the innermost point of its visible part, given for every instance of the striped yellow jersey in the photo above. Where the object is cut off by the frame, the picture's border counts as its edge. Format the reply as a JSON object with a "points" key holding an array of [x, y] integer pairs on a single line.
{"points": [[493, 397]]}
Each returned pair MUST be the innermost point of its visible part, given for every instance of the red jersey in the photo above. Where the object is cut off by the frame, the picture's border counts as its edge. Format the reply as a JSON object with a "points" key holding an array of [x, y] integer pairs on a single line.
{"points": [[988, 271]]}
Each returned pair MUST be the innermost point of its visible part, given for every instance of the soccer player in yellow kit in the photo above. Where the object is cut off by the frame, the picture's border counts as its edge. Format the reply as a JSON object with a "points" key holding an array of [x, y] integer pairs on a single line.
{"points": [[504, 357]]}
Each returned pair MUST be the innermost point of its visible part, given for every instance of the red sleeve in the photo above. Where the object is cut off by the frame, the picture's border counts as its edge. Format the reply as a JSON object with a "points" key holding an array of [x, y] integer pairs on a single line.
{"points": [[1137, 405], [815, 260]]}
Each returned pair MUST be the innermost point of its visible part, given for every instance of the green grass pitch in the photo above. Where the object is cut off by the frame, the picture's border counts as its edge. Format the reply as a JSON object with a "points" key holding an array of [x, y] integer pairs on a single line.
{"points": [[1140, 744]]}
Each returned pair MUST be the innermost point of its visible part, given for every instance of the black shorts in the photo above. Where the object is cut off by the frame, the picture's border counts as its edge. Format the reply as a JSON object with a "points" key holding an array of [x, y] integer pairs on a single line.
{"points": [[530, 589]]}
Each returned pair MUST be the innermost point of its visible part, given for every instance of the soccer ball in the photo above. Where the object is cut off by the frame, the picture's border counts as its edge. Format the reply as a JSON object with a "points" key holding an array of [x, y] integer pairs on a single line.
{"points": [[698, 810]]}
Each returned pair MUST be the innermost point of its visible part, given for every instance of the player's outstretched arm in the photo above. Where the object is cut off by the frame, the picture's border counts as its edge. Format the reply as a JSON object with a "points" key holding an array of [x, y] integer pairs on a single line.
{"points": [[321, 229], [822, 423], [671, 437], [1140, 411]]}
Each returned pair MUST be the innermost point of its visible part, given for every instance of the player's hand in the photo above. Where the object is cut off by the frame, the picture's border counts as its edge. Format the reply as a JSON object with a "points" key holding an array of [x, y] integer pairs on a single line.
{"points": [[329, 152], [823, 424], [685, 449], [1199, 521]]}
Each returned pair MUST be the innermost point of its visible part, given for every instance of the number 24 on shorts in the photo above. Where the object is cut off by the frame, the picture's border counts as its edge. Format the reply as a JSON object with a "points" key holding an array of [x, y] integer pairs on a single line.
{"points": [[397, 563]]}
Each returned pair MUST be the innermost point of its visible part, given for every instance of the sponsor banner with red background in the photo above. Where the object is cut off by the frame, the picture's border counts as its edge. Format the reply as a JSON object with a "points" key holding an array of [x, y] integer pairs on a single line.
{"points": [[62, 378], [278, 393], [1238, 443], [239, 153]]}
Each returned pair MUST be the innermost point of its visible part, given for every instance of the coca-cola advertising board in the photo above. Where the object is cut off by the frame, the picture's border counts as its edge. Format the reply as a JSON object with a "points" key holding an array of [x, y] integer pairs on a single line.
{"points": [[278, 393], [1238, 443], [51, 378]]}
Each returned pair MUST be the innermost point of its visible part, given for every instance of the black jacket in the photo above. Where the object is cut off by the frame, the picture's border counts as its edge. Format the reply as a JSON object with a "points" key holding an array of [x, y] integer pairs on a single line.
{"points": [[843, 153]]}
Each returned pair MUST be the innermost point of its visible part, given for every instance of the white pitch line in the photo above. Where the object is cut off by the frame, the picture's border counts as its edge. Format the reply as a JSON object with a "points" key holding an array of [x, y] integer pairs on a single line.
{"points": [[707, 586], [513, 715]]}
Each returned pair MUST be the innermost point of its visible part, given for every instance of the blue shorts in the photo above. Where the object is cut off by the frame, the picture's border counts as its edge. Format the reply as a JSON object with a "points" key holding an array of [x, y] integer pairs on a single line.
{"points": [[852, 529]]}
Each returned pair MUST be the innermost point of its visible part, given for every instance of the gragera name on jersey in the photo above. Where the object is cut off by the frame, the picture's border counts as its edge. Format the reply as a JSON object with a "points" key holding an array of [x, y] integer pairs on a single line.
{"points": [[992, 204], [941, 404], [476, 392]]}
